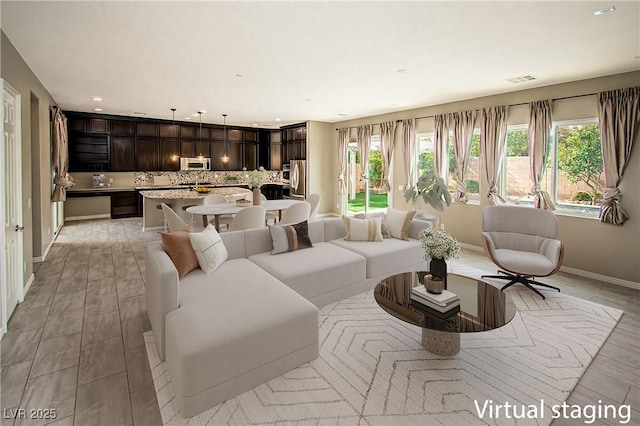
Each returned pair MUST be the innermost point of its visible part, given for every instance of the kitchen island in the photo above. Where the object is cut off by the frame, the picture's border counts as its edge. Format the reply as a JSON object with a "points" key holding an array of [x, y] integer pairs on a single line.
{"points": [[179, 200]]}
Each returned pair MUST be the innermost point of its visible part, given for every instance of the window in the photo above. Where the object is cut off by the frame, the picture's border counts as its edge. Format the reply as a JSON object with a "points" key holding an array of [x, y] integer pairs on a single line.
{"points": [[573, 177], [580, 180], [425, 153], [472, 173], [472, 176]]}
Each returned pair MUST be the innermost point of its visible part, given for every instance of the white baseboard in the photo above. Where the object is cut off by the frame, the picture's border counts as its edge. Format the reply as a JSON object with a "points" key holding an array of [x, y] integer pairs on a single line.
{"points": [[95, 216], [152, 228], [600, 277], [28, 285], [40, 259], [575, 271], [471, 247]]}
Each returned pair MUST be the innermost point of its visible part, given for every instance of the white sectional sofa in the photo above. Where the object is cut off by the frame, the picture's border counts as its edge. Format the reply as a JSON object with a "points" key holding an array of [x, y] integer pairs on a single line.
{"points": [[255, 317]]}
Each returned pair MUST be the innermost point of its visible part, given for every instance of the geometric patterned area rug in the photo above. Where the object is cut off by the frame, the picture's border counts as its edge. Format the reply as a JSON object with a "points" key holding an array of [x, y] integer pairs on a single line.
{"points": [[373, 370]]}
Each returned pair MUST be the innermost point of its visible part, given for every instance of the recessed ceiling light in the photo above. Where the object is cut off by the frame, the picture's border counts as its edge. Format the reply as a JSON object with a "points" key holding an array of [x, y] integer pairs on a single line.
{"points": [[187, 118], [307, 99], [401, 71], [239, 75], [277, 119], [97, 109], [342, 114], [255, 124], [605, 10], [520, 79], [97, 99], [139, 113]]}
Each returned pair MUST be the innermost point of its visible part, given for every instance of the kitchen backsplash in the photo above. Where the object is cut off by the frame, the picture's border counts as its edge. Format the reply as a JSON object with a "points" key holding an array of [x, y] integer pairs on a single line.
{"points": [[150, 179]]}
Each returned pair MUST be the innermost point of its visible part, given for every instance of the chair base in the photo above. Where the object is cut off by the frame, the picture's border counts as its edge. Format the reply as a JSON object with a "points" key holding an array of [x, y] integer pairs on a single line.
{"points": [[515, 278]]}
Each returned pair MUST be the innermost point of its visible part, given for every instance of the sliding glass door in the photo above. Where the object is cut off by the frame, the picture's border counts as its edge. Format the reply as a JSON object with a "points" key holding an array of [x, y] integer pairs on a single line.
{"points": [[365, 196]]}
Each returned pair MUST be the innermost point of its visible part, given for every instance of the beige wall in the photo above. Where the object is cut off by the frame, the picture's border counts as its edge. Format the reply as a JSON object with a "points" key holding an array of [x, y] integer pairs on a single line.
{"points": [[590, 245], [321, 154], [18, 74]]}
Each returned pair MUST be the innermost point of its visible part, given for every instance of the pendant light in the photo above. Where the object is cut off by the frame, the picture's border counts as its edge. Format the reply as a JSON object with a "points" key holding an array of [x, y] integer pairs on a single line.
{"points": [[174, 157], [225, 157], [200, 156]]}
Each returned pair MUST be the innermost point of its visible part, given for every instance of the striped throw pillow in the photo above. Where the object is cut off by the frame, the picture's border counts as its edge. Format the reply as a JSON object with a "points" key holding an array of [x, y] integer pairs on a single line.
{"points": [[290, 237], [363, 229]]}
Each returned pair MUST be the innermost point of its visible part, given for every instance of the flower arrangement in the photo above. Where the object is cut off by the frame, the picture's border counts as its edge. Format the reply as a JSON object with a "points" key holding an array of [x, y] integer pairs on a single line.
{"points": [[438, 245], [257, 178]]}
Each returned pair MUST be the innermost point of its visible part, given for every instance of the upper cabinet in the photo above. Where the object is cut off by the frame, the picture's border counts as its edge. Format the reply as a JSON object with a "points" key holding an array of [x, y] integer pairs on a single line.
{"points": [[293, 143], [103, 143]]}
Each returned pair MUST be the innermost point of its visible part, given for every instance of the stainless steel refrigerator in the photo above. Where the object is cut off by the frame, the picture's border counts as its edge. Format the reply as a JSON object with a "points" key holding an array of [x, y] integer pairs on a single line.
{"points": [[298, 179]]}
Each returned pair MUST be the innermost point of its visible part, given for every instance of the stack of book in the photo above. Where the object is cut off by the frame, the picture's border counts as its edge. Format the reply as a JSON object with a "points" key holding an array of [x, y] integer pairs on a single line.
{"points": [[441, 305]]}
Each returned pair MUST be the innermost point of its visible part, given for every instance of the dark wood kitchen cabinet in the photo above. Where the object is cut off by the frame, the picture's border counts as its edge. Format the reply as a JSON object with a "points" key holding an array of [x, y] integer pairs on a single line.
{"points": [[147, 155], [88, 153], [294, 143], [122, 154], [169, 154], [104, 143], [124, 204]]}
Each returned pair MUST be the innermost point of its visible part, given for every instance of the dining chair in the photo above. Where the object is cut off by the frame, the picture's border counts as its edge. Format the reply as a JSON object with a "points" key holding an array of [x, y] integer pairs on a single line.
{"points": [[268, 216], [172, 220], [296, 213], [248, 218], [213, 199], [314, 200]]}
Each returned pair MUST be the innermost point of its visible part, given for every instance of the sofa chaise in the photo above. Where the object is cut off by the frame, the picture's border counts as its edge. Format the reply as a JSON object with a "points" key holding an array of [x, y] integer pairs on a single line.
{"points": [[256, 316]]}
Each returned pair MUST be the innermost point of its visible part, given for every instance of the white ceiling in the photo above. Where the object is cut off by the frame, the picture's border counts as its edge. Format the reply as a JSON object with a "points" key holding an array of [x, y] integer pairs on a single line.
{"points": [[310, 60]]}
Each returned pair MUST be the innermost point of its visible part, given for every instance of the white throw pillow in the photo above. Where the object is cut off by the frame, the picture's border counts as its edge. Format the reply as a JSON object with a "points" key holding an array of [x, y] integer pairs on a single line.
{"points": [[399, 222], [363, 229], [209, 248]]}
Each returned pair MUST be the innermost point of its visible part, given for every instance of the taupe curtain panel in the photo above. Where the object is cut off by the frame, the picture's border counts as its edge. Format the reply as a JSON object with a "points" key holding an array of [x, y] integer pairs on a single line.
{"points": [[364, 142], [462, 123], [409, 150], [618, 119], [387, 136], [440, 143], [493, 137], [62, 179], [540, 123], [343, 143]]}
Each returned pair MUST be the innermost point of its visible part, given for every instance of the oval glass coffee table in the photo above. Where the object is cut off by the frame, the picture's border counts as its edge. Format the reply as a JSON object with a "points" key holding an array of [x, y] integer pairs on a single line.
{"points": [[483, 307]]}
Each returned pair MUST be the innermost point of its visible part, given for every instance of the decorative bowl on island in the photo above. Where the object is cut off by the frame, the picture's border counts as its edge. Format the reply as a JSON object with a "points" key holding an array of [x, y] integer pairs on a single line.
{"points": [[202, 190], [243, 203]]}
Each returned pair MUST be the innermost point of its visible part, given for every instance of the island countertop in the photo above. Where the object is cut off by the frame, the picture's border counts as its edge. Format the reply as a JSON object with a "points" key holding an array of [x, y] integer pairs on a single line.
{"points": [[183, 194]]}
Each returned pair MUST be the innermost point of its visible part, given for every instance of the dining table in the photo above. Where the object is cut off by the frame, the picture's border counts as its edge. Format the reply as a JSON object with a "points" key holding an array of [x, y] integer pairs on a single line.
{"points": [[217, 210]]}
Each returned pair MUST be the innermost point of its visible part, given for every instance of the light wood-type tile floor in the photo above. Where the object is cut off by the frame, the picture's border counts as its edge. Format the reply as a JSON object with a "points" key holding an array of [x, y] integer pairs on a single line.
{"points": [[75, 344]]}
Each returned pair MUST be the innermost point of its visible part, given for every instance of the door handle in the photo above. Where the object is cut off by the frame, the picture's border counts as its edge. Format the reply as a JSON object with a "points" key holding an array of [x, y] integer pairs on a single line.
{"points": [[19, 228]]}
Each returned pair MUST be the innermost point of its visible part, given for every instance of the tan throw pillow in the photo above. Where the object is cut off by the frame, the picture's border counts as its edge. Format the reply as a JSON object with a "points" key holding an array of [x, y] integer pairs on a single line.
{"points": [[399, 222], [290, 237], [363, 229], [384, 229], [209, 248], [178, 247]]}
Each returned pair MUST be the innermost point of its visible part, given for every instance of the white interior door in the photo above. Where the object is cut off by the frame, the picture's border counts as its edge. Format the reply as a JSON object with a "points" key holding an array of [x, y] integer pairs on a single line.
{"points": [[11, 208]]}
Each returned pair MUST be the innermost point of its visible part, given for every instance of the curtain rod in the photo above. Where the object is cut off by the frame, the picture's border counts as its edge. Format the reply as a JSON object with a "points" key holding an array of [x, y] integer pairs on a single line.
{"points": [[510, 105]]}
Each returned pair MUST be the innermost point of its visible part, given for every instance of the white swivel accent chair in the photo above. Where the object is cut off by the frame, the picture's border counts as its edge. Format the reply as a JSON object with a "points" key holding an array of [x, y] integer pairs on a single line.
{"points": [[212, 199], [522, 242], [314, 200], [248, 218], [296, 213], [172, 220]]}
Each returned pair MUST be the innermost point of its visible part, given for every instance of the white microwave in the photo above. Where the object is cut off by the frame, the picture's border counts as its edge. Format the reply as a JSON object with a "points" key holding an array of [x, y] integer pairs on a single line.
{"points": [[197, 163]]}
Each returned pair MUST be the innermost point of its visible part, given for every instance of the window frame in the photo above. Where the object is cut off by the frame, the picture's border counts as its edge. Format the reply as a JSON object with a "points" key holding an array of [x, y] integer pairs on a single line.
{"points": [[583, 210]]}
